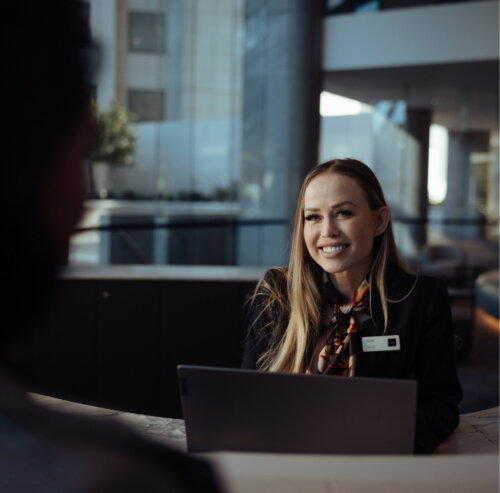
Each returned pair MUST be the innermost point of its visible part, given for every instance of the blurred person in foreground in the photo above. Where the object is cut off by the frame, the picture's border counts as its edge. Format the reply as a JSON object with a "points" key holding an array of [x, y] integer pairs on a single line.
{"points": [[46, 131]]}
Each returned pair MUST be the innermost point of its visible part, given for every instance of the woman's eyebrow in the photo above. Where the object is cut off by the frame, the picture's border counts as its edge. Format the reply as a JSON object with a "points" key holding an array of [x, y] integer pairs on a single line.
{"points": [[335, 206], [346, 202]]}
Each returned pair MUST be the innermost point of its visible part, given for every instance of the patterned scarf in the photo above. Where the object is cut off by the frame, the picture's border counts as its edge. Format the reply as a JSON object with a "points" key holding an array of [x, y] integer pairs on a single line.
{"points": [[336, 350]]}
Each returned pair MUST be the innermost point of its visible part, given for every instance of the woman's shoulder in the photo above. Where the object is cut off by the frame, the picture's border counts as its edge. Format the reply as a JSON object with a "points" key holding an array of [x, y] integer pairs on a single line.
{"points": [[275, 276], [271, 291], [273, 282], [401, 283]]}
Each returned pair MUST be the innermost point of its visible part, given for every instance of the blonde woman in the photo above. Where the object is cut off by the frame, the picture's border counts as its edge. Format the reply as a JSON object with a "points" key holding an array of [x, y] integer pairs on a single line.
{"points": [[347, 304]]}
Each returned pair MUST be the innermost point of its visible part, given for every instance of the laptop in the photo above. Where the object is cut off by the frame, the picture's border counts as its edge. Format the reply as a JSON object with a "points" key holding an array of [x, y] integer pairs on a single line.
{"points": [[254, 411]]}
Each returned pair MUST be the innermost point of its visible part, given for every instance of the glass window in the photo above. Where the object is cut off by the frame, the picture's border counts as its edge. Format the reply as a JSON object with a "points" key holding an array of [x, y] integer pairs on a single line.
{"points": [[218, 159], [149, 106], [146, 32]]}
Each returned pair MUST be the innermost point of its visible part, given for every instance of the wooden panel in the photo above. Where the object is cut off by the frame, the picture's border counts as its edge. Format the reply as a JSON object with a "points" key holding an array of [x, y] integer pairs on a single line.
{"points": [[128, 345], [203, 323], [117, 343], [62, 357]]}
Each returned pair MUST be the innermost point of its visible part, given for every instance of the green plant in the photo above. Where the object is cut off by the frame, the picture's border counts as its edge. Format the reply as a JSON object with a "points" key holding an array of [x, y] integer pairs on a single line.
{"points": [[116, 141]]}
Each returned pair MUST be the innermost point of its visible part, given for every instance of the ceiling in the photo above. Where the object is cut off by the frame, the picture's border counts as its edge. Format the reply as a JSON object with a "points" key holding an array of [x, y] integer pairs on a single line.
{"points": [[462, 96]]}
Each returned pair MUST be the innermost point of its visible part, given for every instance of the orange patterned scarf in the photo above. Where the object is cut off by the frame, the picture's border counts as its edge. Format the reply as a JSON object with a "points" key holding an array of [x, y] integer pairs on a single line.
{"points": [[336, 350]]}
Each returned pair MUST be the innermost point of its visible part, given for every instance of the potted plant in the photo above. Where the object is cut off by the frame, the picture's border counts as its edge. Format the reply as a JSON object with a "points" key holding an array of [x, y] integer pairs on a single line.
{"points": [[116, 145]]}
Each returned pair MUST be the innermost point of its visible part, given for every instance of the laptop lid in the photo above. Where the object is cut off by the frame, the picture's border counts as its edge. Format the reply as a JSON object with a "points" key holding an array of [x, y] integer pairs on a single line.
{"points": [[255, 411]]}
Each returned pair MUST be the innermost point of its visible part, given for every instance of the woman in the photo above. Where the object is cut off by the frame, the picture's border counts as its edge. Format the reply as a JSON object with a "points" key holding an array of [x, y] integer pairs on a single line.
{"points": [[346, 283]]}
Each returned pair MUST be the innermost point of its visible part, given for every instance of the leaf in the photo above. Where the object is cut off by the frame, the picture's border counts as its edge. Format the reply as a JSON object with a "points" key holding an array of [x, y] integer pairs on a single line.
{"points": [[116, 142]]}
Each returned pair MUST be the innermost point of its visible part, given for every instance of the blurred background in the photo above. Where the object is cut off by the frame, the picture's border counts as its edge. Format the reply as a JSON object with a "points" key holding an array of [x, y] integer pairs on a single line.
{"points": [[231, 102], [211, 113]]}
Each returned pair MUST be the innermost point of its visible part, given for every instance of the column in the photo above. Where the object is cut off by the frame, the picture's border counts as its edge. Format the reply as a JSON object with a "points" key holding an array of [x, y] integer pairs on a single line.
{"points": [[417, 125], [461, 202], [281, 87]]}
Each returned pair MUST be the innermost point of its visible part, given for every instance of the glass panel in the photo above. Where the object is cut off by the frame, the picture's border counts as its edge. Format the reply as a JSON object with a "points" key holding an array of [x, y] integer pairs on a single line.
{"points": [[147, 32], [147, 105], [178, 200]]}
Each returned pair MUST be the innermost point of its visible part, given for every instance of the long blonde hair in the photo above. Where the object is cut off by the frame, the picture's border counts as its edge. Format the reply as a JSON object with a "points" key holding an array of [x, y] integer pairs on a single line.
{"points": [[302, 300]]}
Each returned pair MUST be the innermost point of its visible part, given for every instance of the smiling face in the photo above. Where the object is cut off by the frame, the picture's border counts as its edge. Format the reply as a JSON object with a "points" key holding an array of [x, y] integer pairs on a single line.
{"points": [[339, 227]]}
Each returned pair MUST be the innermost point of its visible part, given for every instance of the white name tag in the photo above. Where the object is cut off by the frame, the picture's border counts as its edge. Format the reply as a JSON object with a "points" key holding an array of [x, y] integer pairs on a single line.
{"points": [[381, 343]]}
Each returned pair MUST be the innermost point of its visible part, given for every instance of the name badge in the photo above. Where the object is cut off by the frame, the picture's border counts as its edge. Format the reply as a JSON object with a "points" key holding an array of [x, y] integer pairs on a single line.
{"points": [[380, 343]]}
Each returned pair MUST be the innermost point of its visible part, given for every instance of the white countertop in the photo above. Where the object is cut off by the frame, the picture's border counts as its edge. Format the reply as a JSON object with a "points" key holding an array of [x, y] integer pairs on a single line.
{"points": [[467, 461], [269, 473], [477, 432]]}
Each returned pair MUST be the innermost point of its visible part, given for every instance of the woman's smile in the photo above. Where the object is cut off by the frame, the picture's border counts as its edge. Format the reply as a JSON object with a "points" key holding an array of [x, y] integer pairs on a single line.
{"points": [[330, 251]]}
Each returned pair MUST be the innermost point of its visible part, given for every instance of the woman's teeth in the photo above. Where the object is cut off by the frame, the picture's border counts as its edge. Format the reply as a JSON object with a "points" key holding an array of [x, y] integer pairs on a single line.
{"points": [[334, 248]]}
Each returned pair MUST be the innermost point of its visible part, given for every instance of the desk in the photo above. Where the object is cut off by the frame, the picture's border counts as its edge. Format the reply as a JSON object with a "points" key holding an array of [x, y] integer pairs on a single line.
{"points": [[246, 473], [467, 461]]}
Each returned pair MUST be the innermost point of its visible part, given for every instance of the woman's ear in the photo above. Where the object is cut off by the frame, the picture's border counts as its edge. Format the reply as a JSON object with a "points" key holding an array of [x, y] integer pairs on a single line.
{"points": [[382, 217]]}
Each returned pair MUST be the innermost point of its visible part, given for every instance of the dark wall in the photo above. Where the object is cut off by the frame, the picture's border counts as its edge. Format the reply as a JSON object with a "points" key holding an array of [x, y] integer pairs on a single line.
{"points": [[117, 343]]}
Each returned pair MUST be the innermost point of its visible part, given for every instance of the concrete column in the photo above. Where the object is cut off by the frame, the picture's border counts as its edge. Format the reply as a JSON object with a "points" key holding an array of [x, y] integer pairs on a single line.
{"points": [[461, 200], [281, 86], [417, 125], [493, 190]]}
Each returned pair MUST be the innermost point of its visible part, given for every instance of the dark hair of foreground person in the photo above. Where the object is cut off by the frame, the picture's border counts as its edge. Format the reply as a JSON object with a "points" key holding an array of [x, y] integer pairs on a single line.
{"points": [[47, 128]]}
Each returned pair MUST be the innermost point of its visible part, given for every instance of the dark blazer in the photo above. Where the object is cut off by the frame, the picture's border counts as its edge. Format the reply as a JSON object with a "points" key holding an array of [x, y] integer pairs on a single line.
{"points": [[423, 322]]}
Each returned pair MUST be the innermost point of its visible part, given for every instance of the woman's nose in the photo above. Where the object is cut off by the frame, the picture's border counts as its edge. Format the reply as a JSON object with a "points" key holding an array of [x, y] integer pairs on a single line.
{"points": [[329, 228]]}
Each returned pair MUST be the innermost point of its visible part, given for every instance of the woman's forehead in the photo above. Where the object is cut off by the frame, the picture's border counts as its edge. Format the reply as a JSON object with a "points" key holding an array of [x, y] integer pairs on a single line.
{"points": [[334, 188]]}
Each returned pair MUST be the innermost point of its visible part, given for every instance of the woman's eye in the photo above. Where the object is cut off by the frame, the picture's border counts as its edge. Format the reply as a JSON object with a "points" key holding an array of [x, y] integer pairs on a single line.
{"points": [[343, 213], [311, 217]]}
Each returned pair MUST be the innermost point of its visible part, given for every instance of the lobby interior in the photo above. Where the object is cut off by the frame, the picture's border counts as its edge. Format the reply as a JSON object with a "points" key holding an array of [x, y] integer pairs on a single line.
{"points": [[208, 204]]}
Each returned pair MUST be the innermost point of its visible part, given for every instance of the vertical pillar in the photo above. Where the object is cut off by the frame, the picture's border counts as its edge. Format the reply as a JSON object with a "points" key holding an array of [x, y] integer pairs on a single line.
{"points": [[493, 190], [461, 200], [281, 87], [418, 125]]}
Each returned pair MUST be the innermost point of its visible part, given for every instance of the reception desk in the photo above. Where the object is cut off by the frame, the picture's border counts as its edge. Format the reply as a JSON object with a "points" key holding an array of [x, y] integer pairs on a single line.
{"points": [[467, 461], [246, 473]]}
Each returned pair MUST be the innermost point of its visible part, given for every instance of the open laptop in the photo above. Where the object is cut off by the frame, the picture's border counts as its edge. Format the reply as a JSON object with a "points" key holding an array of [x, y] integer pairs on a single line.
{"points": [[255, 411]]}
